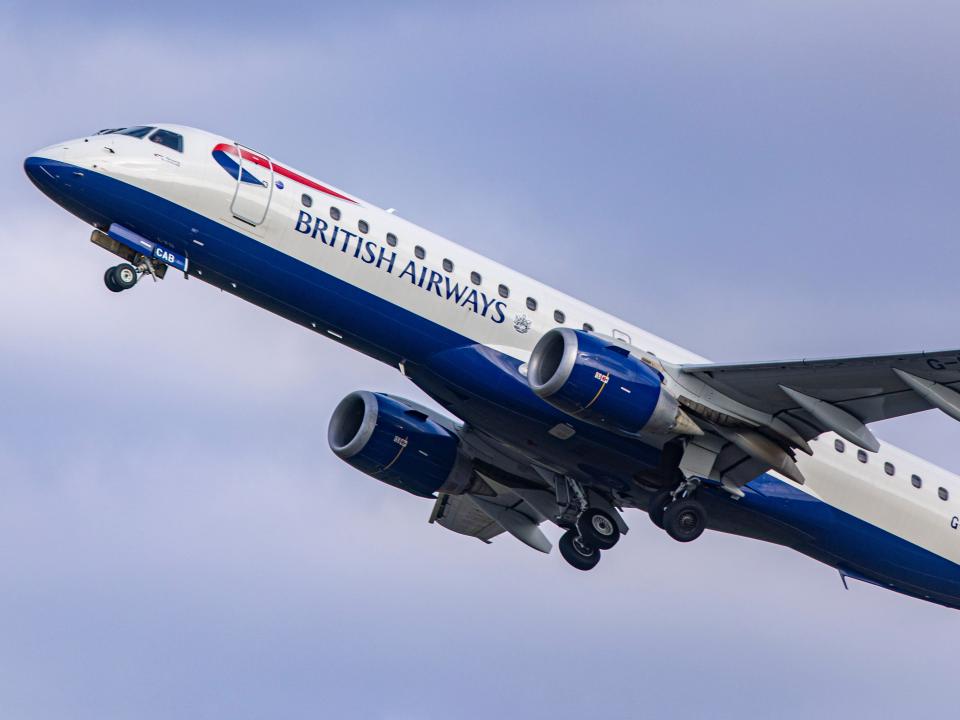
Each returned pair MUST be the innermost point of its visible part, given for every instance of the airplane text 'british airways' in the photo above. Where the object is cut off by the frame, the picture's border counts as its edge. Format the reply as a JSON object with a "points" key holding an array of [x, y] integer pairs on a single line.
{"points": [[372, 253]]}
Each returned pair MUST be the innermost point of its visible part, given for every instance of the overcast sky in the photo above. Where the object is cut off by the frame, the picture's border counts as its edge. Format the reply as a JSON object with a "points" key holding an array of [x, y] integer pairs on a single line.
{"points": [[753, 180]]}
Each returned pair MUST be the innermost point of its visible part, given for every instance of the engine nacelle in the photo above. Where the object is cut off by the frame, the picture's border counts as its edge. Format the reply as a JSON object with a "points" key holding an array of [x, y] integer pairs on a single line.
{"points": [[398, 443], [601, 382]]}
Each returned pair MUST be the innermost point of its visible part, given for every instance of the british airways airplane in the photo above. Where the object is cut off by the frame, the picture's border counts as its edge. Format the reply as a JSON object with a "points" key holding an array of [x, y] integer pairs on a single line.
{"points": [[564, 413]]}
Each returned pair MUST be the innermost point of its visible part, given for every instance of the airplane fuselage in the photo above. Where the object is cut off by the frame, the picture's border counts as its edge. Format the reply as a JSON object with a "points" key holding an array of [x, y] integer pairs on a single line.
{"points": [[462, 327]]}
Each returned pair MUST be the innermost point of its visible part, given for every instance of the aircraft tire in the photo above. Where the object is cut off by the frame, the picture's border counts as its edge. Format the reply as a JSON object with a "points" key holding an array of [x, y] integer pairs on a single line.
{"points": [[658, 505], [598, 529], [578, 553], [685, 520], [125, 276], [110, 281]]}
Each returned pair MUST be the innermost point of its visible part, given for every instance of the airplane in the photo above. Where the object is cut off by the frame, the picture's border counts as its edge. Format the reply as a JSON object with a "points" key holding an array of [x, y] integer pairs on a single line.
{"points": [[555, 411]]}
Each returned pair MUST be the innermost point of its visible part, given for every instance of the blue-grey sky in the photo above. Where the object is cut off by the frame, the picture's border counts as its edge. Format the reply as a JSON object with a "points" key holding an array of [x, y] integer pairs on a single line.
{"points": [[753, 180]]}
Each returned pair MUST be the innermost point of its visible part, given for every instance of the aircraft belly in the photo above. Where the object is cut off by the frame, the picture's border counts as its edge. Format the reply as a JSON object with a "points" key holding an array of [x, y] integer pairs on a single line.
{"points": [[484, 387]]}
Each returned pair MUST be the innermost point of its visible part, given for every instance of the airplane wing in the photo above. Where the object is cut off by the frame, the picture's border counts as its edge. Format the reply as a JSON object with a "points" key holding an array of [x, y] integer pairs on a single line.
{"points": [[798, 400]]}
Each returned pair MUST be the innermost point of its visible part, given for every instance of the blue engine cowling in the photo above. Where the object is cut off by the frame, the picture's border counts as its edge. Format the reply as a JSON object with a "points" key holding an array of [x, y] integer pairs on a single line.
{"points": [[602, 382], [398, 443]]}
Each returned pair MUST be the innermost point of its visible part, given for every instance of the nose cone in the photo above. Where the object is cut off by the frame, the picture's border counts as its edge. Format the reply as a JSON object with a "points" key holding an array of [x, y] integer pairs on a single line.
{"points": [[37, 169], [64, 182], [46, 166]]}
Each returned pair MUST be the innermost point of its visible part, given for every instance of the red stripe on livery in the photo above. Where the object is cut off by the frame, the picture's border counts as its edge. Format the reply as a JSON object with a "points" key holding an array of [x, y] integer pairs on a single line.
{"points": [[279, 170]]}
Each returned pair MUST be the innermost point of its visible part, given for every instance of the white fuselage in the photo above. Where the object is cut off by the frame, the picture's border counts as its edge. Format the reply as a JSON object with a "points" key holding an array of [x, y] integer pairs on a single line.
{"points": [[365, 260]]}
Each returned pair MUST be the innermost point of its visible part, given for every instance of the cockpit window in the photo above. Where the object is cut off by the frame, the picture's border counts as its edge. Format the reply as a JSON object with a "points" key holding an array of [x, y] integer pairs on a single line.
{"points": [[172, 140], [137, 131]]}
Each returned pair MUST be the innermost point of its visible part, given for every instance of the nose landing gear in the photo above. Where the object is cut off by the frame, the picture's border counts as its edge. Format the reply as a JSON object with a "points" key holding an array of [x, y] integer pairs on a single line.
{"points": [[120, 277], [128, 246]]}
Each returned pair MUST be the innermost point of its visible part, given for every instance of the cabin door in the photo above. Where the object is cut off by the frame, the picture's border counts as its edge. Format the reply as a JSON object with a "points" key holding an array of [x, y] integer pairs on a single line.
{"points": [[251, 199]]}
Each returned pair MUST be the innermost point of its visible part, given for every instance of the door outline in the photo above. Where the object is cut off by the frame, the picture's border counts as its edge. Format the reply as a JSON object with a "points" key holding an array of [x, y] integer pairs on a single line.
{"points": [[236, 191]]}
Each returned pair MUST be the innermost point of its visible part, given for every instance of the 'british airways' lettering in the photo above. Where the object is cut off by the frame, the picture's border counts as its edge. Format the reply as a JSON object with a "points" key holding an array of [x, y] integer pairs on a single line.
{"points": [[383, 258]]}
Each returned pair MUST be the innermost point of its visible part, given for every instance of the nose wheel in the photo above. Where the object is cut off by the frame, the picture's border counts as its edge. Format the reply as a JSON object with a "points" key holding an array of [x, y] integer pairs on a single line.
{"points": [[120, 277]]}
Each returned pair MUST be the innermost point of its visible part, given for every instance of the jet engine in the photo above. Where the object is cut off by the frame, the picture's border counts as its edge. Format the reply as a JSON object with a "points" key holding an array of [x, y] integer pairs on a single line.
{"points": [[602, 382], [399, 443]]}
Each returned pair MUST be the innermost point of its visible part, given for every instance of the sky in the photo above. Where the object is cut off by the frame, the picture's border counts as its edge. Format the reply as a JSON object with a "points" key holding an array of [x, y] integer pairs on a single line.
{"points": [[752, 180]]}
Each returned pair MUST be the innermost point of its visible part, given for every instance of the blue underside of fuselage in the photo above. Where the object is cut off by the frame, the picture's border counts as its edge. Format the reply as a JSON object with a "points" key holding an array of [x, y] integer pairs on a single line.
{"points": [[481, 385]]}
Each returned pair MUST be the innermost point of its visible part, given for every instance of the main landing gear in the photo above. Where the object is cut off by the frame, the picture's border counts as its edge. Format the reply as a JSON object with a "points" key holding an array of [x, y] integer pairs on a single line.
{"points": [[589, 529], [577, 552], [678, 512]]}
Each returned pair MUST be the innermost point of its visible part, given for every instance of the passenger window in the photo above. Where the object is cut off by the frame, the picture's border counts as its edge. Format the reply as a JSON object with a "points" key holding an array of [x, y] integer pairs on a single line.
{"points": [[306, 200], [559, 317], [889, 469], [448, 265], [391, 240], [588, 327], [475, 278], [335, 213], [531, 304], [419, 252], [504, 291], [944, 495], [916, 481], [862, 455], [168, 139], [622, 336], [363, 227], [838, 445]]}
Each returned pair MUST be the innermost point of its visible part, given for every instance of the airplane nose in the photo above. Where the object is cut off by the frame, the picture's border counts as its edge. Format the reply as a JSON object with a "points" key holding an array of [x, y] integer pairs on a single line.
{"points": [[34, 167], [44, 172], [46, 165], [59, 173]]}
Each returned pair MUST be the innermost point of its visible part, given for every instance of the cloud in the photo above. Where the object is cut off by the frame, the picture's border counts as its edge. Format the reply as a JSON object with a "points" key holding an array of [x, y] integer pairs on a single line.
{"points": [[175, 538]]}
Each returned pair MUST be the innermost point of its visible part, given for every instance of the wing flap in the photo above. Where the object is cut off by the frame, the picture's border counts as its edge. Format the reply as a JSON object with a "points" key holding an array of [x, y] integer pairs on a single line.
{"points": [[457, 514], [485, 517]]}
